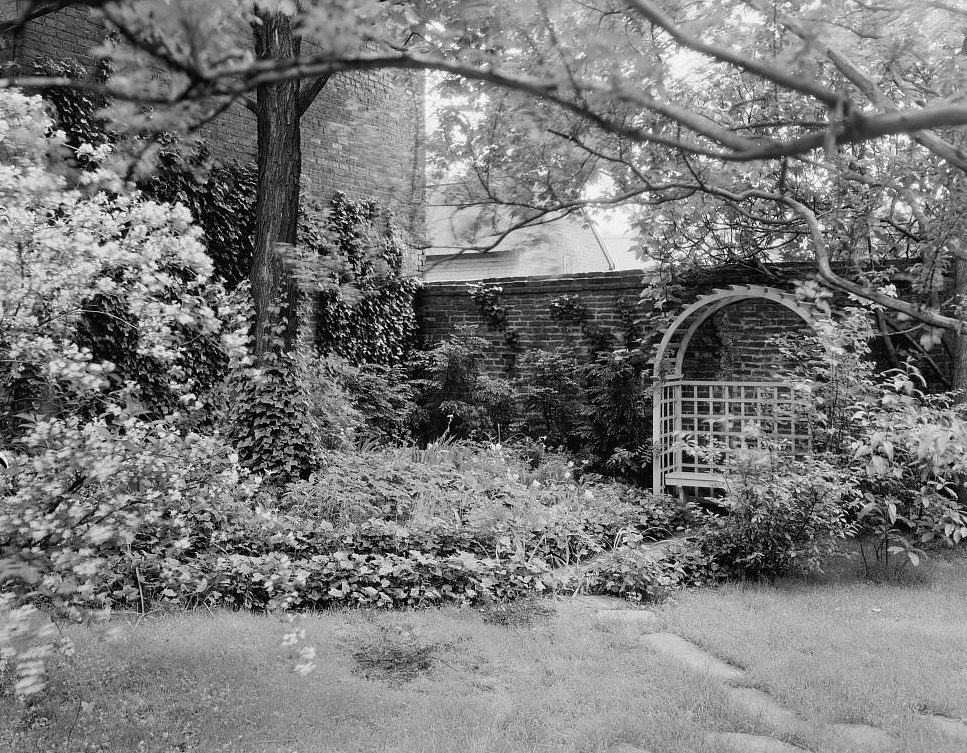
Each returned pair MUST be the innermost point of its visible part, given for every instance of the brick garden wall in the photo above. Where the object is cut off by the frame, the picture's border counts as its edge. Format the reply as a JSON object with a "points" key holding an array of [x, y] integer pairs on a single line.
{"points": [[609, 298], [734, 342], [363, 135]]}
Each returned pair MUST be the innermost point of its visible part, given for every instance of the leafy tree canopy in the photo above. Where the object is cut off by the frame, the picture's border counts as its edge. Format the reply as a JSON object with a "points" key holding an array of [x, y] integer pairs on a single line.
{"points": [[740, 127]]}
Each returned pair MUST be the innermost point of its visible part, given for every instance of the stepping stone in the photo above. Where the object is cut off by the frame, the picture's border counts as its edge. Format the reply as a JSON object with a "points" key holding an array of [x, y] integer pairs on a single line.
{"points": [[763, 707], [634, 617], [692, 656], [951, 727], [742, 743], [865, 735]]}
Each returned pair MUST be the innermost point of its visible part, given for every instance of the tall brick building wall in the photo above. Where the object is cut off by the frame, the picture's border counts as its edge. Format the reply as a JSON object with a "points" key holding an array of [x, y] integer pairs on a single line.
{"points": [[363, 135]]}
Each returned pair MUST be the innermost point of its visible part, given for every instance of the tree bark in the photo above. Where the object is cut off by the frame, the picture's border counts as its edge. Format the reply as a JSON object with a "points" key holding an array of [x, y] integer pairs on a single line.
{"points": [[274, 285], [958, 343]]}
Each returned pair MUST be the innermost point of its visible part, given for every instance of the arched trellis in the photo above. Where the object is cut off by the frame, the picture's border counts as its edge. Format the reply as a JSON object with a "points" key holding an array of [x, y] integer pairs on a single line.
{"points": [[716, 413]]}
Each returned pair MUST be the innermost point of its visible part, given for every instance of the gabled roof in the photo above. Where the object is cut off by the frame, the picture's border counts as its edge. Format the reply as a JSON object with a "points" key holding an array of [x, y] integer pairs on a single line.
{"points": [[555, 245]]}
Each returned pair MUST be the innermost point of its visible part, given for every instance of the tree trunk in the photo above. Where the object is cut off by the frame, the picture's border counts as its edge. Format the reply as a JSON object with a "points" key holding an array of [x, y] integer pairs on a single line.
{"points": [[958, 343], [274, 288]]}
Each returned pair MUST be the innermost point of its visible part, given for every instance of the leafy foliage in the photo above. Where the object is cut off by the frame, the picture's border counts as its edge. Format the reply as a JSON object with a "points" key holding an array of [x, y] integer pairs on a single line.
{"points": [[617, 421], [487, 298], [367, 316], [271, 424], [783, 515], [221, 199], [909, 455], [634, 574], [569, 309], [77, 113], [549, 391], [89, 469], [494, 312], [453, 395], [887, 465]]}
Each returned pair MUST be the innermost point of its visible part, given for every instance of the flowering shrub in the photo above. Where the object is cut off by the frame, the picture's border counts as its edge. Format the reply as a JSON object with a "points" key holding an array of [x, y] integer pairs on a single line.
{"points": [[62, 247], [93, 484]]}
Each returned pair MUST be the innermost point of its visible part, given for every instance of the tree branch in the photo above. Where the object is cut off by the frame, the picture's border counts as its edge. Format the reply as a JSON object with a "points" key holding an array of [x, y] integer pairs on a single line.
{"points": [[38, 9], [653, 14], [868, 87], [308, 93]]}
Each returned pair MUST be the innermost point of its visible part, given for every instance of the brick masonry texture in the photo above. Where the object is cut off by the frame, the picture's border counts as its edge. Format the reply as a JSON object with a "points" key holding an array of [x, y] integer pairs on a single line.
{"points": [[736, 343], [442, 307], [364, 134]]}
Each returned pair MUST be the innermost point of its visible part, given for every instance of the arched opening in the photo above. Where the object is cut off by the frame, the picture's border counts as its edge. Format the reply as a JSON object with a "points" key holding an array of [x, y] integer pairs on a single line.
{"points": [[716, 382]]}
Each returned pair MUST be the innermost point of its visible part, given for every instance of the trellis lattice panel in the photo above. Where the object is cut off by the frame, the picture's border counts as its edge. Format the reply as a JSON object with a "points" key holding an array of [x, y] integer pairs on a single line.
{"points": [[724, 416]]}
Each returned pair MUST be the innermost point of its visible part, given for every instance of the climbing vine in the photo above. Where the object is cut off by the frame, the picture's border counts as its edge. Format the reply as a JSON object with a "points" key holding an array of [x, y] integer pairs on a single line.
{"points": [[492, 309], [365, 310], [76, 112], [221, 199], [568, 309]]}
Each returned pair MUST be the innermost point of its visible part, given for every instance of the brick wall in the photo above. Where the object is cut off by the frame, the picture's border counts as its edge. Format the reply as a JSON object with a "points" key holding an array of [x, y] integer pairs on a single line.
{"points": [[363, 135], [735, 343], [443, 306]]}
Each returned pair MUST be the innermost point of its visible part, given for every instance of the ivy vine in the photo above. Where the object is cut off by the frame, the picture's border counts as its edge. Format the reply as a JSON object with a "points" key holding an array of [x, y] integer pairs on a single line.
{"points": [[76, 112], [221, 199], [569, 309], [491, 308], [365, 313]]}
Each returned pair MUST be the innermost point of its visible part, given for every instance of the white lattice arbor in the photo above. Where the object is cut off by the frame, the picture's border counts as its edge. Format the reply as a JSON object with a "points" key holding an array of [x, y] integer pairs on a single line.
{"points": [[717, 414]]}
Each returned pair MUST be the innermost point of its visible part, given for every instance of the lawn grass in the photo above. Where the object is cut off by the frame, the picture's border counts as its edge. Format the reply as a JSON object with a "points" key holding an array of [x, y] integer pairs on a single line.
{"points": [[839, 648], [834, 649], [199, 682]]}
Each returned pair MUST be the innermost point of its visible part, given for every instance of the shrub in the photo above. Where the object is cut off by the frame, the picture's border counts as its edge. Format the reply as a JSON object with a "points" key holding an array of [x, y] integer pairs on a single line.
{"points": [[784, 515], [632, 573], [909, 457], [902, 450], [381, 396], [97, 505], [454, 397], [551, 396], [96, 473], [617, 423]]}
